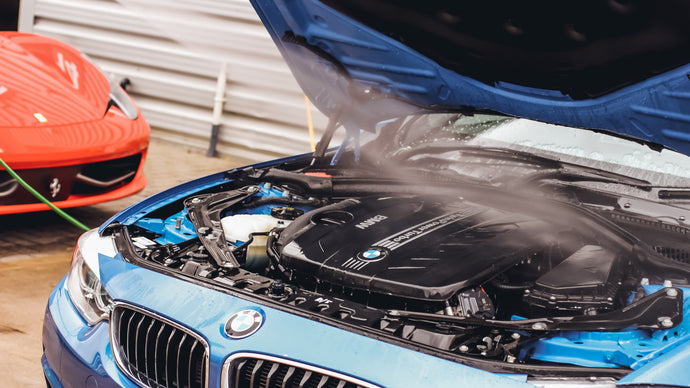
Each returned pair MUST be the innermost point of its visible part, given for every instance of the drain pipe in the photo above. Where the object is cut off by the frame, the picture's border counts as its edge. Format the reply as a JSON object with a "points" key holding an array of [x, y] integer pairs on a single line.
{"points": [[218, 103]]}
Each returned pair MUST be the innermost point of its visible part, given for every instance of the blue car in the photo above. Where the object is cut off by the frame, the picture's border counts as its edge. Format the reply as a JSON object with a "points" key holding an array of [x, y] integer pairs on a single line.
{"points": [[501, 198]]}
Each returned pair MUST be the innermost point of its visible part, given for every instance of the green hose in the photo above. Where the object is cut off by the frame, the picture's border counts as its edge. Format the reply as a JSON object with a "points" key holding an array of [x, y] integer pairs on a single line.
{"points": [[43, 199]]}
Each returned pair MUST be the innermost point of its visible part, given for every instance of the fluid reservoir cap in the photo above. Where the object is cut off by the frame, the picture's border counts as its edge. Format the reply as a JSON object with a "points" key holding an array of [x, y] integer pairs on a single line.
{"points": [[286, 213]]}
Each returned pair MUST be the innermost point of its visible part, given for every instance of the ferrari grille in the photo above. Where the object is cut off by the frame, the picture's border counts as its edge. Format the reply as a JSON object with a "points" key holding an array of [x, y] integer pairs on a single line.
{"points": [[156, 352], [58, 183], [106, 175]]}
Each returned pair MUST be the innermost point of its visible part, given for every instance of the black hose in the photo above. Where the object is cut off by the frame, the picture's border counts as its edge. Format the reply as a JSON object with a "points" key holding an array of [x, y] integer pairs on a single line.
{"points": [[283, 201], [510, 287], [273, 254]]}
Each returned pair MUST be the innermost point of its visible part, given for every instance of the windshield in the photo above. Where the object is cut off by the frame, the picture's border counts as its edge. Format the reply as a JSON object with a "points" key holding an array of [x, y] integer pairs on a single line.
{"points": [[450, 141]]}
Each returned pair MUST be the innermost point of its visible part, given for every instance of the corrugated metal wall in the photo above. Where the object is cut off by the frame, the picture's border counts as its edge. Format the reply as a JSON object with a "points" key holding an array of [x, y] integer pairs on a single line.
{"points": [[172, 51]]}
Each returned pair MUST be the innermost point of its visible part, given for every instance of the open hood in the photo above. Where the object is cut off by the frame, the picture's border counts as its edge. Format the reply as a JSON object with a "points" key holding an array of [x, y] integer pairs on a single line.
{"points": [[617, 66]]}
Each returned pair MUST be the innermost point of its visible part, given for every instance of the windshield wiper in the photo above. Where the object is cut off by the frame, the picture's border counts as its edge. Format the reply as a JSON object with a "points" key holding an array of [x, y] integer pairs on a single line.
{"points": [[660, 310], [491, 152], [575, 173], [550, 168]]}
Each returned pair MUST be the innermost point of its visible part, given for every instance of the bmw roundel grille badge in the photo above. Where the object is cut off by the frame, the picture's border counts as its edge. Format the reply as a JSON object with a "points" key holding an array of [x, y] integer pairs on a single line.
{"points": [[243, 324]]}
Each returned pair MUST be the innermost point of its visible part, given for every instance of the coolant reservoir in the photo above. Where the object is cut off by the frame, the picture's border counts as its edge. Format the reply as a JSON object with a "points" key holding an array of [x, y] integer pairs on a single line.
{"points": [[238, 227]]}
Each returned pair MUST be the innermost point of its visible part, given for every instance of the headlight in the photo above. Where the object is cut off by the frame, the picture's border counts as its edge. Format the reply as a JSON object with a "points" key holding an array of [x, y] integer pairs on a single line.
{"points": [[120, 99], [85, 289]]}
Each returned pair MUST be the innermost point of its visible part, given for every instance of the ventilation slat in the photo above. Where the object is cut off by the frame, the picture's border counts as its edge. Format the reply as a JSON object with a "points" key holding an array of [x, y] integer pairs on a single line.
{"points": [[272, 373], [238, 373], [158, 356], [190, 365], [288, 377], [171, 358], [148, 347], [305, 379], [135, 340], [255, 377]]}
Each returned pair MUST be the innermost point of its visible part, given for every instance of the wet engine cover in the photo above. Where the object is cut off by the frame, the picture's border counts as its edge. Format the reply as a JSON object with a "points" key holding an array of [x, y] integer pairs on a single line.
{"points": [[409, 247]]}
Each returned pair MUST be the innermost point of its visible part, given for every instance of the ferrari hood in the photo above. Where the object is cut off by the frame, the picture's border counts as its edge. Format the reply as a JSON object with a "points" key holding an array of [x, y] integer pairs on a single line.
{"points": [[615, 66], [46, 82]]}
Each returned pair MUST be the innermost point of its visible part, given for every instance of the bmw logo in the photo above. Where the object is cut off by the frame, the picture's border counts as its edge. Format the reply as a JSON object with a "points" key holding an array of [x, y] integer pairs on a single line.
{"points": [[243, 324], [373, 254]]}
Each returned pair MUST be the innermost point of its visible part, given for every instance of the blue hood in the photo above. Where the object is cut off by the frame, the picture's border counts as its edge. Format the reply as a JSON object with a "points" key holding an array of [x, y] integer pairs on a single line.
{"points": [[615, 66]]}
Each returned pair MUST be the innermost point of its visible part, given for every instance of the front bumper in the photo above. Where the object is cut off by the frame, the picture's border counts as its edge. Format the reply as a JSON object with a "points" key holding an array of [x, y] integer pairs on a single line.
{"points": [[90, 162], [59, 360], [74, 354]]}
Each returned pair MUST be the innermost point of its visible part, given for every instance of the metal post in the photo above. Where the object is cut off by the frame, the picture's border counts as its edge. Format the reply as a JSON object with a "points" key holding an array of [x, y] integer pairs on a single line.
{"points": [[218, 104], [26, 16]]}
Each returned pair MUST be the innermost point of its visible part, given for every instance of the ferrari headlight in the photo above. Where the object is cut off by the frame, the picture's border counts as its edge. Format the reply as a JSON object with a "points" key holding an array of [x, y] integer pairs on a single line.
{"points": [[120, 99], [85, 289]]}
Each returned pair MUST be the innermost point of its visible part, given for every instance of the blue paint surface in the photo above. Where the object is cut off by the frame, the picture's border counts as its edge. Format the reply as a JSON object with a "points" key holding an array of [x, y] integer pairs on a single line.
{"points": [[632, 348]]}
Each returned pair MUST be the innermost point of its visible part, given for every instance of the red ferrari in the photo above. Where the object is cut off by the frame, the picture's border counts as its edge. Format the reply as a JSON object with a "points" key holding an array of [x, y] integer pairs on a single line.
{"points": [[72, 134]]}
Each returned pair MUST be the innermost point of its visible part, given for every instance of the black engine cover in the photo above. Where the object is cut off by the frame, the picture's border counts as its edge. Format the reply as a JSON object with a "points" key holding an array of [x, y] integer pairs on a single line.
{"points": [[409, 246]]}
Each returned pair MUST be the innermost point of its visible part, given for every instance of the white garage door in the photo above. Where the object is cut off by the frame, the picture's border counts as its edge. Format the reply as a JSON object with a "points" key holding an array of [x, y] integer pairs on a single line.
{"points": [[173, 51]]}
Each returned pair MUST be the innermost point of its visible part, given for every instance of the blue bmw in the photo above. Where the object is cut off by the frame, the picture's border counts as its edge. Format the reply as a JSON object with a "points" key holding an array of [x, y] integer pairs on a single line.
{"points": [[501, 198]]}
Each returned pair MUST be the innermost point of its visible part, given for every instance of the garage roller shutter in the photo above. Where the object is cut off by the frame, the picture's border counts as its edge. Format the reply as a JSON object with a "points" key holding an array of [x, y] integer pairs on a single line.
{"points": [[172, 51]]}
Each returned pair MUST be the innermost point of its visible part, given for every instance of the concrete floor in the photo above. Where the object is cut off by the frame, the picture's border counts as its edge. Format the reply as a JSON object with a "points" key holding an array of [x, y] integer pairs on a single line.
{"points": [[26, 285], [36, 249]]}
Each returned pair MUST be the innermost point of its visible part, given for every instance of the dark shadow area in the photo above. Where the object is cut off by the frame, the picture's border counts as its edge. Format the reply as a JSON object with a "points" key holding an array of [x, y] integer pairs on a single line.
{"points": [[9, 15], [45, 232]]}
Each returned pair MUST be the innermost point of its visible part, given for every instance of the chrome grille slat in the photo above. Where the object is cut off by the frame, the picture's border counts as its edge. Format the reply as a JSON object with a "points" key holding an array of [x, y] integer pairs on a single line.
{"points": [[250, 370], [305, 379], [150, 348], [146, 347], [169, 355], [288, 376], [179, 370], [255, 373], [132, 337], [126, 336], [138, 351], [189, 365], [156, 352], [322, 383], [240, 368], [271, 373]]}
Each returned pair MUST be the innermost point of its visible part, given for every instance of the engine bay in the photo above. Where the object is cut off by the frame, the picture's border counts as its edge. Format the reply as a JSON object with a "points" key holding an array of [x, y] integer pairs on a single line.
{"points": [[474, 274]]}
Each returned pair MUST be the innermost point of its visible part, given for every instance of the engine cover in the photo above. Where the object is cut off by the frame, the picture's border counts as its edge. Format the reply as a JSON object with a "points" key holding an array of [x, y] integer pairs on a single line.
{"points": [[409, 246]]}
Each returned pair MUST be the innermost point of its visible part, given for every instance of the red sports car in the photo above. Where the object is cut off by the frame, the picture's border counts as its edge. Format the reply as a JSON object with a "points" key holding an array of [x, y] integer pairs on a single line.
{"points": [[68, 131]]}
